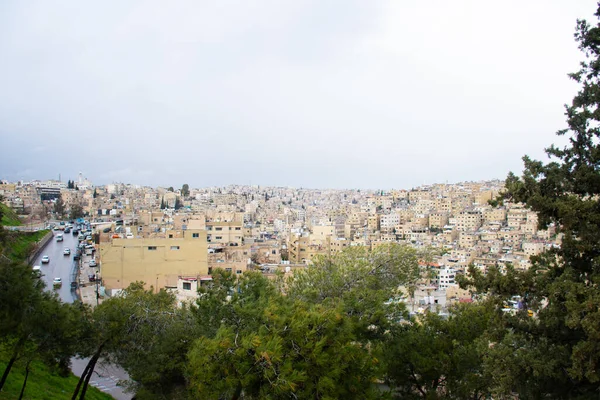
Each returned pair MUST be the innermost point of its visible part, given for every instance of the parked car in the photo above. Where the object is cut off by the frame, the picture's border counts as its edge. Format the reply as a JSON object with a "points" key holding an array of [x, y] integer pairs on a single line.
{"points": [[76, 257], [92, 277], [45, 260], [92, 262], [38, 270], [67, 251], [57, 282]]}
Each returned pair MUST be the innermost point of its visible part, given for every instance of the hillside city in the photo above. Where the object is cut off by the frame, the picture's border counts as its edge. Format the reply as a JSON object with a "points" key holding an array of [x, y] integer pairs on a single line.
{"points": [[182, 235]]}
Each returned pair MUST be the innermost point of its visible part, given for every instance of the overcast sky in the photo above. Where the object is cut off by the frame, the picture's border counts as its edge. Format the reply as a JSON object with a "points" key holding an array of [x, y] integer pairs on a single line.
{"points": [[340, 94]]}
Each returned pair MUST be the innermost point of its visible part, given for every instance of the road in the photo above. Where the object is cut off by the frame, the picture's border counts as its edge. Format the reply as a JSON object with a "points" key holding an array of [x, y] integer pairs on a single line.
{"points": [[105, 377], [60, 266]]}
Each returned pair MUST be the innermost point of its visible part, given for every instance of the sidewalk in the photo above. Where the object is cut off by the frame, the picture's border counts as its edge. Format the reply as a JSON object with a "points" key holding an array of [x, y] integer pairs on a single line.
{"points": [[88, 290]]}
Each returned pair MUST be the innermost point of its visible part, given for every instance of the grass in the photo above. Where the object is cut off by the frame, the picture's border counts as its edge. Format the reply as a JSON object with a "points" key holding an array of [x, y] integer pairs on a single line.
{"points": [[42, 383], [19, 244], [9, 217]]}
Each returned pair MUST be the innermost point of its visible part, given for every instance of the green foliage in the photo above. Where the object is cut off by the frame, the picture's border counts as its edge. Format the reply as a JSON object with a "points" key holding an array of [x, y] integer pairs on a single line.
{"points": [[432, 357], [147, 335], [178, 203], [185, 190], [59, 207], [18, 245], [557, 353], [76, 211], [44, 382], [270, 346], [34, 324], [8, 216], [363, 281]]}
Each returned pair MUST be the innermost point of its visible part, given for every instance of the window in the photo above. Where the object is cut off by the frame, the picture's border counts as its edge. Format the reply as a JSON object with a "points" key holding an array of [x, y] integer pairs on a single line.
{"points": [[187, 286], [218, 237], [238, 228], [228, 269], [195, 235], [218, 229], [239, 271], [209, 270], [170, 236], [274, 252], [174, 247], [151, 247]]}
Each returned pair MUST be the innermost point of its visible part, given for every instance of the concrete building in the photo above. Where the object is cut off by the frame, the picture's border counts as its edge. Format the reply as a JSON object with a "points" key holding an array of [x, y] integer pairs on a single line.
{"points": [[158, 262]]}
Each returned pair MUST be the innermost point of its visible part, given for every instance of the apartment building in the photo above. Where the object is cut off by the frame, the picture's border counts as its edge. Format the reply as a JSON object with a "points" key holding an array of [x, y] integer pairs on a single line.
{"points": [[438, 220], [158, 262], [226, 233], [468, 221]]}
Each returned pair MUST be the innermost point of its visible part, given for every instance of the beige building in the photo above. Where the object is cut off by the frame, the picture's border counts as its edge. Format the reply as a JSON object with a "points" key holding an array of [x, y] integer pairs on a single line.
{"points": [[225, 232], [157, 262], [468, 221], [438, 220]]}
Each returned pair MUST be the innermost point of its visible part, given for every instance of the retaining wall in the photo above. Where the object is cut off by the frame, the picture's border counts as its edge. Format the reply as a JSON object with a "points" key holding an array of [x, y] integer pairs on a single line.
{"points": [[39, 247]]}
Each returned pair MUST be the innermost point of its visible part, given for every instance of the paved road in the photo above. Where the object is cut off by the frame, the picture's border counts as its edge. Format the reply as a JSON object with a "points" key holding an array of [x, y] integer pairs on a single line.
{"points": [[104, 378], [60, 266]]}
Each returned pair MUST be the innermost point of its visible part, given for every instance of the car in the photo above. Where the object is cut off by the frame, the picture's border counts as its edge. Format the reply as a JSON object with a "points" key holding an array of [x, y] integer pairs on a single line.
{"points": [[38, 270], [59, 237], [92, 262], [57, 282], [92, 277], [106, 230], [75, 232], [45, 260], [67, 251], [76, 257], [67, 230]]}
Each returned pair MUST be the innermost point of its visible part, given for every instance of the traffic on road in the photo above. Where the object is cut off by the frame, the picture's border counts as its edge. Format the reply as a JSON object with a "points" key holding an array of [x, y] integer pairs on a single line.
{"points": [[58, 268]]}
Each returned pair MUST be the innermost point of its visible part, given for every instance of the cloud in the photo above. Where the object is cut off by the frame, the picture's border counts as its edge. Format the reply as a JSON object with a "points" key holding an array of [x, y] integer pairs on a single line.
{"points": [[303, 93]]}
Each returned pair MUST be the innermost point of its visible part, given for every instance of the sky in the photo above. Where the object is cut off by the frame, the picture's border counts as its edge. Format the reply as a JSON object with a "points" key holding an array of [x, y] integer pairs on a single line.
{"points": [[304, 93]]}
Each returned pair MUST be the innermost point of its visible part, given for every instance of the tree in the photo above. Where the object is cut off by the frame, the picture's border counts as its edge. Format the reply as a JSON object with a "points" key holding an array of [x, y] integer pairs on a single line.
{"points": [[95, 193], [76, 211], [144, 333], [185, 190], [170, 189], [163, 205], [59, 207], [433, 357], [364, 280], [267, 345], [559, 350], [34, 323], [178, 203]]}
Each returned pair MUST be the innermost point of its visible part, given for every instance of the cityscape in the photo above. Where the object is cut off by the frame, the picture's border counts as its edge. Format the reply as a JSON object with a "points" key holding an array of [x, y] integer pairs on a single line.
{"points": [[280, 229], [300, 200]]}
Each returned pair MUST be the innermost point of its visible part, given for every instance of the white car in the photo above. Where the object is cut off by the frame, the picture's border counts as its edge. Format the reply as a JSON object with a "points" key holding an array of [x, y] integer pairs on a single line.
{"points": [[67, 251], [92, 262], [57, 282], [45, 260]]}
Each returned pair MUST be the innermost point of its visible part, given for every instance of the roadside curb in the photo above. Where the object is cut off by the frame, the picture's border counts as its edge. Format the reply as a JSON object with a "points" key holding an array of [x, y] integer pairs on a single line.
{"points": [[39, 246]]}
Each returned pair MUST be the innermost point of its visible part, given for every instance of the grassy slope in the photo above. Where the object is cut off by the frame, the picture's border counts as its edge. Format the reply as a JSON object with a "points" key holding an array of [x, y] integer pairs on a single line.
{"points": [[19, 244], [10, 218], [43, 384]]}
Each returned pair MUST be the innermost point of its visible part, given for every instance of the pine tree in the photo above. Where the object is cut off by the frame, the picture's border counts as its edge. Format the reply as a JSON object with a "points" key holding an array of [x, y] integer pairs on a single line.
{"points": [[559, 349]]}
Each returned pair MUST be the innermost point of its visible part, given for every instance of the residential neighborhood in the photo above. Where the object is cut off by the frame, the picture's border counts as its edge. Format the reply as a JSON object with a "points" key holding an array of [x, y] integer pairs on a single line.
{"points": [[175, 238]]}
